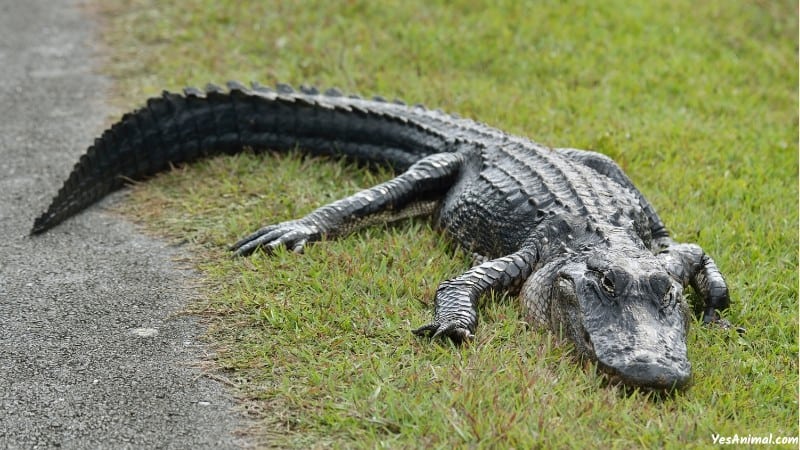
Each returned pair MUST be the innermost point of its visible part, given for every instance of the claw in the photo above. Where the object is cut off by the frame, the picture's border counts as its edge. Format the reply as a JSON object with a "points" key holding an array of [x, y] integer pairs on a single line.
{"points": [[460, 335], [444, 331], [712, 318], [455, 332], [241, 246], [248, 247], [294, 235], [300, 246], [425, 330]]}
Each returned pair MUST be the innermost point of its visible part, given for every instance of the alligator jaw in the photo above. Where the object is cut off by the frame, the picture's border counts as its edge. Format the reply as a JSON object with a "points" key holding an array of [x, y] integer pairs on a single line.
{"points": [[649, 374]]}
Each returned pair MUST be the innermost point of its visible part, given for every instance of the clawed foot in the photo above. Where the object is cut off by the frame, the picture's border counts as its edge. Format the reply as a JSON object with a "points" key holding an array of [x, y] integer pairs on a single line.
{"points": [[293, 234], [456, 332], [712, 318]]}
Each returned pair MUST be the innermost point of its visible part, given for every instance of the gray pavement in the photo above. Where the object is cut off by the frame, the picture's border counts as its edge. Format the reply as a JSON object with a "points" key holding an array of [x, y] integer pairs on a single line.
{"points": [[93, 350]]}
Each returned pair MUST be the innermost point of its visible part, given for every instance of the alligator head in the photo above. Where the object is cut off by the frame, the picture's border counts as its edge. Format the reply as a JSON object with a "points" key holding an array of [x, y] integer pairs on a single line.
{"points": [[626, 314]]}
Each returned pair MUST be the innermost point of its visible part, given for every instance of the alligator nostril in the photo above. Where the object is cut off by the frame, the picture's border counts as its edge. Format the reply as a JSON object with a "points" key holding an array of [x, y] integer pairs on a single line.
{"points": [[661, 285]]}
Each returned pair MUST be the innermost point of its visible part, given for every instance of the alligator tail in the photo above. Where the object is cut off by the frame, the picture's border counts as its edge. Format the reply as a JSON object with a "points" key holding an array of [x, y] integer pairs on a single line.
{"points": [[175, 129]]}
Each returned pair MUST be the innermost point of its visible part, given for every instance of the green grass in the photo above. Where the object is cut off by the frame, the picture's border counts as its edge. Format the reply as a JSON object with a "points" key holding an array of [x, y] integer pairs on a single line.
{"points": [[696, 100]]}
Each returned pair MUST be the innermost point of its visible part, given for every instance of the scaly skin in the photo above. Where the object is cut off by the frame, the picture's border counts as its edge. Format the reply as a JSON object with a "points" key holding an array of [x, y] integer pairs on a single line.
{"points": [[565, 228]]}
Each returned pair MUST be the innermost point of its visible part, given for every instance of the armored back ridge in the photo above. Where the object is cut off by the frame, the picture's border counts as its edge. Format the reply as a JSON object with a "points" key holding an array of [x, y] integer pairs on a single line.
{"points": [[564, 228]]}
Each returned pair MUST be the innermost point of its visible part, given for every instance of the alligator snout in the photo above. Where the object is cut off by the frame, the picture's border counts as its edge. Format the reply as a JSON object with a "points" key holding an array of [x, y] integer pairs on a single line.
{"points": [[651, 373]]}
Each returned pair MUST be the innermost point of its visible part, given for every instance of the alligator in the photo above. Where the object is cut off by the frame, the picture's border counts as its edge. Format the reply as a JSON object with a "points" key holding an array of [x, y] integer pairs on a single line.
{"points": [[563, 228]]}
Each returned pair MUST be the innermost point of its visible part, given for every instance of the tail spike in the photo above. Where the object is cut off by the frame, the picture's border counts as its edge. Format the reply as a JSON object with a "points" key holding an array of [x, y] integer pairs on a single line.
{"points": [[284, 88], [193, 92], [310, 90], [234, 86], [213, 88], [258, 87]]}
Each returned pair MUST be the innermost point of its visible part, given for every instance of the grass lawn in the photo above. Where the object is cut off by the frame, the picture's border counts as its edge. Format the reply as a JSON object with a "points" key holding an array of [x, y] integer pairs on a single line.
{"points": [[696, 100]]}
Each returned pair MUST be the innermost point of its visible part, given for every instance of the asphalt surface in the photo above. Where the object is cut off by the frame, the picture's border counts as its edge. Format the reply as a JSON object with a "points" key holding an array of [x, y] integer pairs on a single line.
{"points": [[93, 350]]}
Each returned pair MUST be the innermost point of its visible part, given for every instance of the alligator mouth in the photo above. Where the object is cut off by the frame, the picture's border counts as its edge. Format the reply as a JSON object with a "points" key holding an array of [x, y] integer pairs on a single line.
{"points": [[638, 374], [640, 370], [647, 377]]}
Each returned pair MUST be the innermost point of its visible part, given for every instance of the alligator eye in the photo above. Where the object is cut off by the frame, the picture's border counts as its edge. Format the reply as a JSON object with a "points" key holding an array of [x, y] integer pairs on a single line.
{"points": [[607, 284], [670, 298]]}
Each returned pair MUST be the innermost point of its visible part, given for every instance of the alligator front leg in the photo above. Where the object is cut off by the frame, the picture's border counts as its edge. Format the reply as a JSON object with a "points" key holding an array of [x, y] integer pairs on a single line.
{"points": [[456, 299], [416, 192], [689, 264]]}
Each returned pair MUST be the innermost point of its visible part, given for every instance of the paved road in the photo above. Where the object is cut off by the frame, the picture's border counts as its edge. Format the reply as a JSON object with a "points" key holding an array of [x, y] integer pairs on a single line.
{"points": [[92, 350]]}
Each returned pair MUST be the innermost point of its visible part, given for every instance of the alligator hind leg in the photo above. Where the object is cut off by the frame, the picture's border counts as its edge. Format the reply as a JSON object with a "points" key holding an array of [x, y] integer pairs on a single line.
{"points": [[454, 309], [689, 264], [415, 192]]}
